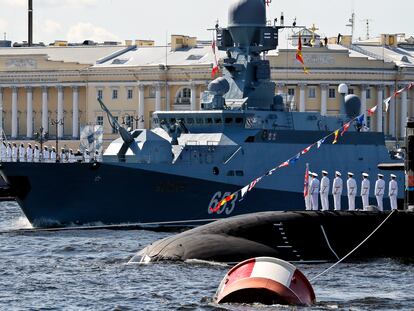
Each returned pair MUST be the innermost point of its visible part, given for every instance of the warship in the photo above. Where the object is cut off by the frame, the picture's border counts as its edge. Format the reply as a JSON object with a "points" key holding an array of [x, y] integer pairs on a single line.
{"points": [[177, 172]]}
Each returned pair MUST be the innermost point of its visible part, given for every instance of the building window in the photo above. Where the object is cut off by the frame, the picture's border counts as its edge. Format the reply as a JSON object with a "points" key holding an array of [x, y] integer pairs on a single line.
{"points": [[99, 120], [130, 94], [184, 97], [351, 91], [312, 92], [291, 92], [100, 94], [114, 94], [332, 93]]}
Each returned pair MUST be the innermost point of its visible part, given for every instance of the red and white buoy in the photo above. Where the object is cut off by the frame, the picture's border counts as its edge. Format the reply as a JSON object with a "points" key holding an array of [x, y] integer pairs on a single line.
{"points": [[265, 280]]}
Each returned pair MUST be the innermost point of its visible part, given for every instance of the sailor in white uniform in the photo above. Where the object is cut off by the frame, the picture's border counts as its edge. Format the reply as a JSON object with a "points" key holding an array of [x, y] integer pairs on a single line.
{"points": [[87, 156], [62, 156], [71, 157], [337, 188], [22, 153], [3, 152], [36, 154], [325, 182], [393, 192], [314, 188], [352, 188], [53, 155], [9, 152], [29, 153], [15, 152], [46, 154], [379, 191], [365, 187]]}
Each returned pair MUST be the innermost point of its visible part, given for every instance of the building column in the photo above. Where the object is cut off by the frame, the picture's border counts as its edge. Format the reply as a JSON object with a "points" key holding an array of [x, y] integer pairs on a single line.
{"points": [[364, 88], [324, 99], [14, 133], [167, 97], [29, 120], [392, 112], [45, 110], [404, 113], [193, 97], [302, 94], [157, 97], [75, 112], [380, 108], [141, 106], [60, 112], [1, 111]]}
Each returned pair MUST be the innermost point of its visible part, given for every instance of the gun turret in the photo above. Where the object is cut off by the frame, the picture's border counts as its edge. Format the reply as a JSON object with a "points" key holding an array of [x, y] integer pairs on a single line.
{"points": [[125, 135]]}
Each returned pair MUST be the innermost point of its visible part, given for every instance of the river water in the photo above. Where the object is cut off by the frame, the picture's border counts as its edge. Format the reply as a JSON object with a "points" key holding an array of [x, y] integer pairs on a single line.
{"points": [[87, 270]]}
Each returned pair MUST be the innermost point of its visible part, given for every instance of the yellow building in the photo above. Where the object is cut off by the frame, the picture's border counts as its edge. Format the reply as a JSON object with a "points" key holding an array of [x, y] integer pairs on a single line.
{"points": [[42, 85]]}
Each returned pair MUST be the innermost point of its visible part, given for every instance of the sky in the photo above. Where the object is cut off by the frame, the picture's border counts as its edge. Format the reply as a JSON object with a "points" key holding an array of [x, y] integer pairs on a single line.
{"points": [[119, 20]]}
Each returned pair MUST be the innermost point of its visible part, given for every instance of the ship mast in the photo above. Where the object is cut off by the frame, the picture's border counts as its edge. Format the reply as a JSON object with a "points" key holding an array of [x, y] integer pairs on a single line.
{"points": [[30, 24]]}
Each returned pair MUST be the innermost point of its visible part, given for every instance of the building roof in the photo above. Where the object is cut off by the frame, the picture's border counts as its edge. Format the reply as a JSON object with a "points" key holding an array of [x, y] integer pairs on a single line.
{"points": [[154, 56], [73, 54]]}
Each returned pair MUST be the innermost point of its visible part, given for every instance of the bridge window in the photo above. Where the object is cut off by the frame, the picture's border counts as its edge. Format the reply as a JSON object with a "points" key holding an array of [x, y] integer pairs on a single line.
{"points": [[217, 120], [190, 120], [199, 121], [239, 120], [209, 121], [230, 173], [239, 173], [228, 120]]}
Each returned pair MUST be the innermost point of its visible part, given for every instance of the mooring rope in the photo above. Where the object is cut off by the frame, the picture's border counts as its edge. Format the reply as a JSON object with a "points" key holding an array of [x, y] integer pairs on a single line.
{"points": [[356, 248]]}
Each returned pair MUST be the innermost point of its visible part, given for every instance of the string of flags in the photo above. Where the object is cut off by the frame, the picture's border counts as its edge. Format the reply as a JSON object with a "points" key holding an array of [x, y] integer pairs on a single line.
{"points": [[388, 100], [243, 192]]}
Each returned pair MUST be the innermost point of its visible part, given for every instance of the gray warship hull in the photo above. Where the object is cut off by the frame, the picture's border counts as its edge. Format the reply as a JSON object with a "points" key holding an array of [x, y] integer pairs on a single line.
{"points": [[53, 194]]}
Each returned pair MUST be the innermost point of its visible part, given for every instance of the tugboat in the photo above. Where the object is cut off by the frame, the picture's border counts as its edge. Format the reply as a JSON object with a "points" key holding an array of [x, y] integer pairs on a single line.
{"points": [[178, 171]]}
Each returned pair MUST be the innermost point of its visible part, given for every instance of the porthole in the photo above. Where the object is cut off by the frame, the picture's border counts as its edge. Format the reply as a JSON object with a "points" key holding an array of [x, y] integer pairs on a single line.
{"points": [[216, 171]]}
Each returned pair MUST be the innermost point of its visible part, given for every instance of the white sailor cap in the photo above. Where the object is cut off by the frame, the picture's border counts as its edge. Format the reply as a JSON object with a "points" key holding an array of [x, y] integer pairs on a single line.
{"points": [[338, 173], [314, 175], [380, 175], [365, 174], [350, 174], [393, 176], [325, 172]]}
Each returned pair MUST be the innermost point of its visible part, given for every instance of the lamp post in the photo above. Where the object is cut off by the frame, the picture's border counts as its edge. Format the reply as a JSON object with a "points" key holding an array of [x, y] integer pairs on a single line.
{"points": [[41, 137], [57, 123], [131, 119]]}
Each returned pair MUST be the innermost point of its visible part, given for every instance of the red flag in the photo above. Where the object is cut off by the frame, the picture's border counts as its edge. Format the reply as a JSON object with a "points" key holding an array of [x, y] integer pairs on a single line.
{"points": [[268, 2], [346, 128], [306, 150], [216, 68], [299, 55], [306, 186], [215, 71], [372, 110]]}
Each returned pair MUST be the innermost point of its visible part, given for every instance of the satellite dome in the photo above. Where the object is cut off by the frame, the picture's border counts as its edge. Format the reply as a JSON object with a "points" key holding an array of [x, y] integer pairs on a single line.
{"points": [[352, 106], [219, 86], [247, 13]]}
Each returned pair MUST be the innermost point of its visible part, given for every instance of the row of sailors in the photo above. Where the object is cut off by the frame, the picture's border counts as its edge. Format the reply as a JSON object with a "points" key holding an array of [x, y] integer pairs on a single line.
{"points": [[12, 153], [322, 189]]}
